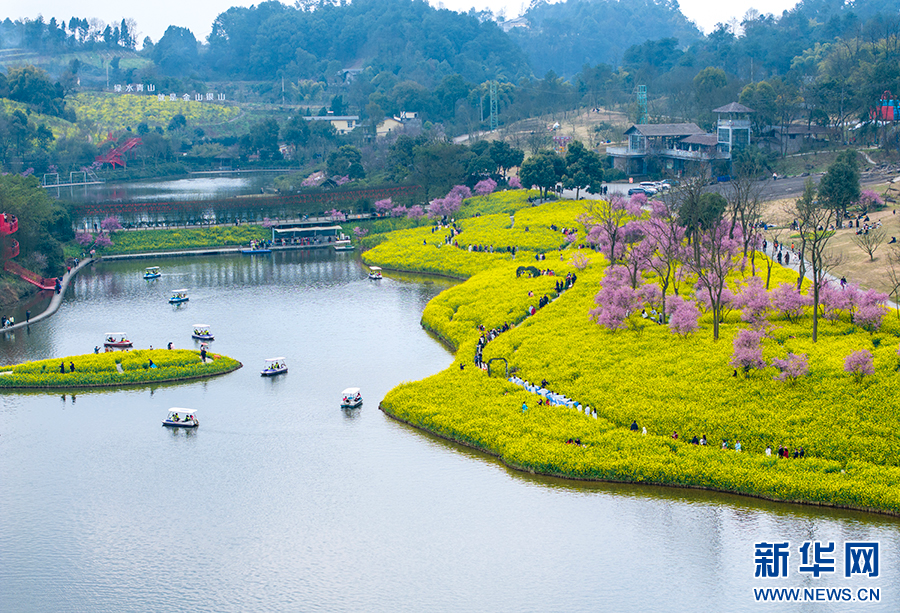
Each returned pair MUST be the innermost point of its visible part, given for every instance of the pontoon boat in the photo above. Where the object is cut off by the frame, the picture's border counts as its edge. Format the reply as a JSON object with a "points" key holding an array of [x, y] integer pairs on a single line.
{"points": [[274, 366], [202, 333], [374, 272], [116, 339], [152, 272], [178, 295], [351, 398], [181, 418]]}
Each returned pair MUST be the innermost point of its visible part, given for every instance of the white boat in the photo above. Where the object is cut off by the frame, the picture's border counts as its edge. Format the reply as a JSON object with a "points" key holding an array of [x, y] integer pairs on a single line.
{"points": [[116, 339], [152, 272], [181, 418], [202, 333], [343, 243], [178, 295], [374, 272], [351, 398], [274, 366]]}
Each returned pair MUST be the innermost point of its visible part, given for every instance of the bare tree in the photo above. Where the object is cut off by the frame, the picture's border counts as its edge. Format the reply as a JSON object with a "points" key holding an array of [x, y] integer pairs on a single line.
{"points": [[869, 241], [814, 223]]}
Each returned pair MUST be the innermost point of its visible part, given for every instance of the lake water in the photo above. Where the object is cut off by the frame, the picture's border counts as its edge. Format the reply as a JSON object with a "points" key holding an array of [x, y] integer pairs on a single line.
{"points": [[193, 187], [282, 501]]}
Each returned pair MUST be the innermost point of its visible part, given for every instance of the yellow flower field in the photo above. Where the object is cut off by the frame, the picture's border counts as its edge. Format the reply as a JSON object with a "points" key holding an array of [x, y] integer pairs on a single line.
{"points": [[850, 431]]}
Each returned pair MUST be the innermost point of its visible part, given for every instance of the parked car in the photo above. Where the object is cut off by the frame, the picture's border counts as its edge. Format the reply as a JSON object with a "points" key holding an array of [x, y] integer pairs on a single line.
{"points": [[639, 190]]}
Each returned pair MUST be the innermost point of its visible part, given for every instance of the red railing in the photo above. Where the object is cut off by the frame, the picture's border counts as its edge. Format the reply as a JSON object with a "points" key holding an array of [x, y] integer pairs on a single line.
{"points": [[9, 224], [10, 249], [27, 275]]}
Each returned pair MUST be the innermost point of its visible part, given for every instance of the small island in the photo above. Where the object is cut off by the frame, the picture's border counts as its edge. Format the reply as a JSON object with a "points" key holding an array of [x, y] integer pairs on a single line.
{"points": [[115, 368]]}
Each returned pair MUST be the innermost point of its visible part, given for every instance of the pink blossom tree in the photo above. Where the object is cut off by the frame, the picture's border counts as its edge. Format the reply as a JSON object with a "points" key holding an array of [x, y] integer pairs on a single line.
{"points": [[665, 237], [399, 211], [485, 187], [84, 238], [789, 302], [616, 300], [267, 223], [383, 206], [111, 224], [753, 300], [867, 307], [859, 364], [103, 240], [791, 368], [459, 192], [834, 300], [747, 351], [604, 225], [314, 180], [716, 253], [415, 212], [336, 215], [360, 232], [683, 317], [869, 199], [515, 183]]}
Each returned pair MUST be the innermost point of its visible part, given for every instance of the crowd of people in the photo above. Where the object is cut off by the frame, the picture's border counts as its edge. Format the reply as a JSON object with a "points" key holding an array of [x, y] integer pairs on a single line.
{"points": [[783, 452]]}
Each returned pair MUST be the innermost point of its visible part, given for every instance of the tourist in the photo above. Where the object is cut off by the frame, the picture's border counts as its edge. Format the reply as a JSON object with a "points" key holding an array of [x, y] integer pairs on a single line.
{"points": [[737, 446], [524, 407], [703, 440], [634, 426], [724, 443], [71, 366], [695, 440], [768, 451], [675, 435], [643, 432], [62, 368]]}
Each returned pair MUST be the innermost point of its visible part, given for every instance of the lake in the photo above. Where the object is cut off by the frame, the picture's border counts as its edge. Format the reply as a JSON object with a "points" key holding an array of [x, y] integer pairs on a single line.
{"points": [[282, 501]]}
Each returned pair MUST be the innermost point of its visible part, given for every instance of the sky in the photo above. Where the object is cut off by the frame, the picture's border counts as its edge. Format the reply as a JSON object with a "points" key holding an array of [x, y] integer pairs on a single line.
{"points": [[154, 16]]}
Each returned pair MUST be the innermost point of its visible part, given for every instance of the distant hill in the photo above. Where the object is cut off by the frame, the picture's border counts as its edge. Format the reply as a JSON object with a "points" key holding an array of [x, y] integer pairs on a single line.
{"points": [[406, 37], [564, 37]]}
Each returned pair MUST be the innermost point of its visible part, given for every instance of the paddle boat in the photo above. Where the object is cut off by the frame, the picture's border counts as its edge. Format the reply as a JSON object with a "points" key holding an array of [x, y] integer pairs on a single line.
{"points": [[274, 366], [181, 418], [152, 272], [351, 398], [178, 296], [343, 244], [202, 333], [116, 339], [374, 272]]}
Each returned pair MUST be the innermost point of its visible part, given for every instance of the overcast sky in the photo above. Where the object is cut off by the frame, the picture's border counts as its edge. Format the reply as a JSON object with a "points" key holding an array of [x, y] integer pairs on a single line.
{"points": [[154, 16]]}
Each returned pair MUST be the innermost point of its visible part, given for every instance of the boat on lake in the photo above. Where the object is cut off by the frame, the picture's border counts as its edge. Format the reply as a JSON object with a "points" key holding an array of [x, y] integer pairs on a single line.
{"points": [[202, 333], [152, 272], [116, 339], [178, 295], [274, 366], [181, 418], [351, 398], [374, 272], [343, 243]]}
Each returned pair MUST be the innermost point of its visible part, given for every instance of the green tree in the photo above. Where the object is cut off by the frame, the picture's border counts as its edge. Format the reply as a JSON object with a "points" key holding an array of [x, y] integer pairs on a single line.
{"points": [[176, 52], [584, 169], [43, 223], [543, 170], [346, 161], [505, 156], [32, 86], [839, 187]]}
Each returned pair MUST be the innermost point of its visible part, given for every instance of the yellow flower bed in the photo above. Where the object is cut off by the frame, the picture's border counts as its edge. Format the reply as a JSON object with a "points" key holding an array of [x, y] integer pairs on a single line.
{"points": [[99, 370], [850, 431], [113, 112]]}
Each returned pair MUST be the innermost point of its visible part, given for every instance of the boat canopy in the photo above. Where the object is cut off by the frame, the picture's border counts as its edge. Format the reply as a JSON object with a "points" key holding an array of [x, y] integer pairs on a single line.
{"points": [[374, 268], [186, 412], [350, 391], [122, 334], [179, 291], [201, 326], [272, 360], [152, 268]]}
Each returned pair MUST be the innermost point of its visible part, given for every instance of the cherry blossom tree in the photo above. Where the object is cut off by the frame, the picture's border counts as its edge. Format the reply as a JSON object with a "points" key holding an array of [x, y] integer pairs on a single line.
{"points": [[789, 302], [604, 224], [834, 301], [103, 240], [84, 238], [383, 206], [753, 300], [866, 307], [515, 183], [399, 211], [683, 317], [415, 212], [792, 368], [617, 300], [485, 187], [665, 235], [716, 254], [859, 364], [360, 232], [747, 351], [111, 224]]}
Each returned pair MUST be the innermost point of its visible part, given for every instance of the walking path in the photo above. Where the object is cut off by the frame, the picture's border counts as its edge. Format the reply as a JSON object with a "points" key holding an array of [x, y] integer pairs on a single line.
{"points": [[56, 300]]}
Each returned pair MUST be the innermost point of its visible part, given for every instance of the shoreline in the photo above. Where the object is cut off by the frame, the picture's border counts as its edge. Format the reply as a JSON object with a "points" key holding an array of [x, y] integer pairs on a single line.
{"points": [[517, 468], [57, 299], [123, 384]]}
